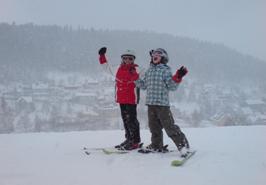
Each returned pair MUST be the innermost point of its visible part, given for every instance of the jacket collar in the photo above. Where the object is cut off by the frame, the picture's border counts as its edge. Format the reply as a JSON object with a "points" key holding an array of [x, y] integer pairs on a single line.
{"points": [[160, 65], [128, 66]]}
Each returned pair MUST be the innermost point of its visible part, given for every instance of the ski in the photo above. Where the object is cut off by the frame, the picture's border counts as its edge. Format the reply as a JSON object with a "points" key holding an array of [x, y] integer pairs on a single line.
{"points": [[109, 150], [89, 151], [183, 160], [106, 150], [121, 150]]}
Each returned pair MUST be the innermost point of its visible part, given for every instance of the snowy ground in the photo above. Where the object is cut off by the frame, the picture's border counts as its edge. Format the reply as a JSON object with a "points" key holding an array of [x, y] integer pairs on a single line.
{"points": [[225, 156]]}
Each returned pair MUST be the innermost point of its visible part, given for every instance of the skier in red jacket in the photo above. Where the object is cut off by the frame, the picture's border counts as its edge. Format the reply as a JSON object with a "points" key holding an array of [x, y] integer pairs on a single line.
{"points": [[127, 95]]}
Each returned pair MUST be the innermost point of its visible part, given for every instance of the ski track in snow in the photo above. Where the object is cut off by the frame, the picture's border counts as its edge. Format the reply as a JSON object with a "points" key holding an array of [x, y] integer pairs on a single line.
{"points": [[225, 156]]}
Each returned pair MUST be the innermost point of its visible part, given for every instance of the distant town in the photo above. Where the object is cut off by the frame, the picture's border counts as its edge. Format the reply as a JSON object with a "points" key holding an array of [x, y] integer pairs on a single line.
{"points": [[90, 105]]}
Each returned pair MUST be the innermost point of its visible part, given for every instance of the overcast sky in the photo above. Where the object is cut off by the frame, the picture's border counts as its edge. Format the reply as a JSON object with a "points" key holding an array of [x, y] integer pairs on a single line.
{"points": [[239, 24]]}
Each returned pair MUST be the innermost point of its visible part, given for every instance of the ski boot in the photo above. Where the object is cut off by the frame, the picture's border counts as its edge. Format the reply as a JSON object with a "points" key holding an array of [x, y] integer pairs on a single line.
{"points": [[151, 149], [184, 150], [130, 146], [122, 144]]}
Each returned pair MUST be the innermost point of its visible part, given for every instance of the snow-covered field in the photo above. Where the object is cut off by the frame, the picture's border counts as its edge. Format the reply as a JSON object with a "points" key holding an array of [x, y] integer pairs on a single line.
{"points": [[225, 156]]}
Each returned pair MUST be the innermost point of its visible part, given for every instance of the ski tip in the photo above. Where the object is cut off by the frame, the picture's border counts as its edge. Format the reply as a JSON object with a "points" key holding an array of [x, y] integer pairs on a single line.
{"points": [[176, 163], [106, 151], [183, 160], [87, 153]]}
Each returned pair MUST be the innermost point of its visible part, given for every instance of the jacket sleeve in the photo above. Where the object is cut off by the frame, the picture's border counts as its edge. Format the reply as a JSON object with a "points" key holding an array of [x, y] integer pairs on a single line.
{"points": [[108, 69], [141, 83], [134, 75], [169, 82], [141, 72]]}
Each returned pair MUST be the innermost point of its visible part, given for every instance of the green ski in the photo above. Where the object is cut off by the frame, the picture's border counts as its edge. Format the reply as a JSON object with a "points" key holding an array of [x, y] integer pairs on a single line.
{"points": [[182, 161], [109, 151]]}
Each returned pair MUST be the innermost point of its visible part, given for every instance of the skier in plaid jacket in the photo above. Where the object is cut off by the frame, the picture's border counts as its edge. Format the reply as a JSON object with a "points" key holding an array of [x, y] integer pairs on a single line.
{"points": [[157, 82]]}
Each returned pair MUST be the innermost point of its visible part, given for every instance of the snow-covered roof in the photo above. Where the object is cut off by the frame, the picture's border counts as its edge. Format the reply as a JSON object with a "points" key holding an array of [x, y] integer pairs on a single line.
{"points": [[255, 102], [40, 86], [27, 99]]}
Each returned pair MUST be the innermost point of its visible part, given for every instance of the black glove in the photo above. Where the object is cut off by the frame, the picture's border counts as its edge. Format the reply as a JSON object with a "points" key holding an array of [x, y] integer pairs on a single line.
{"points": [[102, 51], [182, 72]]}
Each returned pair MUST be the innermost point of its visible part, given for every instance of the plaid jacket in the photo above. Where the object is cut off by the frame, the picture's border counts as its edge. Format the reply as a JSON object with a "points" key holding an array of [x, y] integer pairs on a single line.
{"points": [[158, 82]]}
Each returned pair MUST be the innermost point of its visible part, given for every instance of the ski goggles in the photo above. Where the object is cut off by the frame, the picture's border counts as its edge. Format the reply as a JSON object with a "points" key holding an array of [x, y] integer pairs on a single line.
{"points": [[130, 58], [157, 53]]}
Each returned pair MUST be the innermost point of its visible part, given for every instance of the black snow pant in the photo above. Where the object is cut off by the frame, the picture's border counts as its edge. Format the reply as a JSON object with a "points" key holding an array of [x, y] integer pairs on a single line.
{"points": [[161, 117], [131, 123]]}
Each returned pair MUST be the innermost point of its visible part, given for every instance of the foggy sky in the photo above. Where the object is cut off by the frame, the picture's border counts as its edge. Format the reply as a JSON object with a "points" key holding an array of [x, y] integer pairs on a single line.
{"points": [[239, 24]]}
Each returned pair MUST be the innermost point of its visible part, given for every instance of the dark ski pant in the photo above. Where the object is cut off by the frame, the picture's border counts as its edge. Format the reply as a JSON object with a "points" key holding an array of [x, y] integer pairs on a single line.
{"points": [[161, 117], [131, 123]]}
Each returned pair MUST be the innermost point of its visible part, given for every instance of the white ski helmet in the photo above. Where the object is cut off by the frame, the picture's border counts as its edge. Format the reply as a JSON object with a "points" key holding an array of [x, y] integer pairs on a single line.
{"points": [[129, 53], [162, 53]]}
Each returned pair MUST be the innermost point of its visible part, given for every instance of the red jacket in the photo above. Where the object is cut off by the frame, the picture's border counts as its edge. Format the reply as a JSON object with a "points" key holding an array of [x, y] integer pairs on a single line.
{"points": [[126, 91]]}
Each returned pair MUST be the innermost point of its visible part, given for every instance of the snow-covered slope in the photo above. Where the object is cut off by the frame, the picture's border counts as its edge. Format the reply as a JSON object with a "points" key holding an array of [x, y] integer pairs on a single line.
{"points": [[225, 156]]}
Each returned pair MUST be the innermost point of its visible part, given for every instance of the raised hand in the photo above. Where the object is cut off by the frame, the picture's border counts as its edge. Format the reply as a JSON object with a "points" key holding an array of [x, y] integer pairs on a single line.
{"points": [[102, 57], [102, 51], [180, 73]]}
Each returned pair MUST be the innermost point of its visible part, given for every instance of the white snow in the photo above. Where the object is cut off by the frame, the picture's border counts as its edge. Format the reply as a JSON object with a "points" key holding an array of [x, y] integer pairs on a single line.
{"points": [[225, 156]]}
